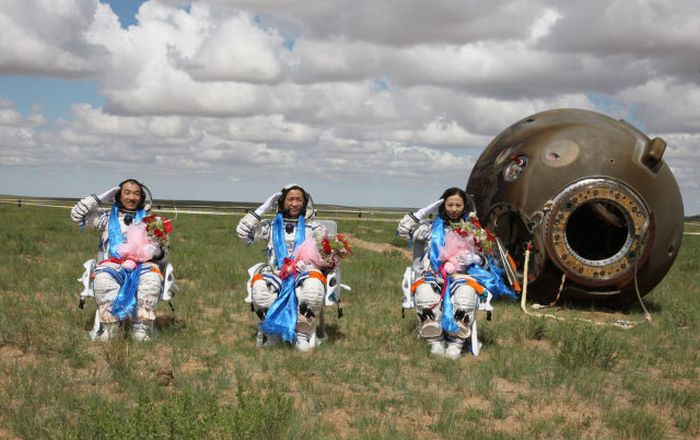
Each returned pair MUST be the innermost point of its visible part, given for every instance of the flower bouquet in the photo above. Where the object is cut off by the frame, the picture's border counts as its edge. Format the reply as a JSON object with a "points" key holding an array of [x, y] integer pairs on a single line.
{"points": [[143, 241], [323, 252], [158, 229], [482, 238], [458, 252]]}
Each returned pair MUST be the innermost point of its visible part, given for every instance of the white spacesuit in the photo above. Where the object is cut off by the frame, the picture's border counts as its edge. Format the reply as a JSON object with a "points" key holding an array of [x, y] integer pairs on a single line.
{"points": [[293, 207], [427, 289], [128, 207]]}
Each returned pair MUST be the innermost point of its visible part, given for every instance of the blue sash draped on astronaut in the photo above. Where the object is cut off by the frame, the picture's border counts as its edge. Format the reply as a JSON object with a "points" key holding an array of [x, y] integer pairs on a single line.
{"points": [[491, 279], [124, 304], [281, 318]]}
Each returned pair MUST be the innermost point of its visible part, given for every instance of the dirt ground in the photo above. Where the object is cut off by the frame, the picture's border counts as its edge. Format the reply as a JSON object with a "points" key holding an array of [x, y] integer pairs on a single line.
{"points": [[377, 247]]}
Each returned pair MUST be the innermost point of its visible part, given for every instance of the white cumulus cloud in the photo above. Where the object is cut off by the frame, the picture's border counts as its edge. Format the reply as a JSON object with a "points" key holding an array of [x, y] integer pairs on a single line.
{"points": [[345, 95]]}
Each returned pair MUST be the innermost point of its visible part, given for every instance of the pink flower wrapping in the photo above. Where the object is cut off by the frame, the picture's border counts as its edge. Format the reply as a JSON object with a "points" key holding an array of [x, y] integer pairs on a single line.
{"points": [[138, 247], [307, 253], [321, 252], [458, 252]]}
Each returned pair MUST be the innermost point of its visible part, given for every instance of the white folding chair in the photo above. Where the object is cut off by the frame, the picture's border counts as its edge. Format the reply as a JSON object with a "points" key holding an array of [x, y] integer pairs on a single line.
{"points": [[167, 291], [410, 275], [333, 290]]}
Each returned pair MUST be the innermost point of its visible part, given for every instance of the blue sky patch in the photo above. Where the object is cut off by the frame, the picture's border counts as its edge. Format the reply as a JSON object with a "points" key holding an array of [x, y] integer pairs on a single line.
{"points": [[381, 85], [610, 106], [125, 9], [53, 95]]}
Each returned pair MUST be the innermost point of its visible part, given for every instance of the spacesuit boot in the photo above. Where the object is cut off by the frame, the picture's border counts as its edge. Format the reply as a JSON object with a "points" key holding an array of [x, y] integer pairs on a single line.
{"points": [[262, 339], [437, 346], [108, 331], [142, 331], [454, 347], [306, 329]]}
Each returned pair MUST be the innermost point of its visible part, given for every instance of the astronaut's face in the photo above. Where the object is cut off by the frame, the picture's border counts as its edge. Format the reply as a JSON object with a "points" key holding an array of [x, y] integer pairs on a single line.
{"points": [[130, 196], [293, 202], [454, 207]]}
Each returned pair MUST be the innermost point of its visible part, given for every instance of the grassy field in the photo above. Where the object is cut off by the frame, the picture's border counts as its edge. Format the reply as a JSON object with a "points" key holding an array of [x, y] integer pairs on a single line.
{"points": [[203, 377]]}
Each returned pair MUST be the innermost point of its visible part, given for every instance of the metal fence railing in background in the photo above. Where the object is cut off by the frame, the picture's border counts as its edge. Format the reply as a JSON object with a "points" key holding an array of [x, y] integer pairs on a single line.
{"points": [[233, 209]]}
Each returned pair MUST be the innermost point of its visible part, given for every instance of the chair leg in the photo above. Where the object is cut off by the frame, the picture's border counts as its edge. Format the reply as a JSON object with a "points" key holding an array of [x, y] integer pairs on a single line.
{"points": [[321, 327], [95, 326], [475, 344]]}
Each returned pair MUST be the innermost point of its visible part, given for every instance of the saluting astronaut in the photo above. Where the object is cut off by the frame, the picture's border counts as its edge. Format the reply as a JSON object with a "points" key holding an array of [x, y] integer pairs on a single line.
{"points": [[445, 312], [286, 296], [121, 294]]}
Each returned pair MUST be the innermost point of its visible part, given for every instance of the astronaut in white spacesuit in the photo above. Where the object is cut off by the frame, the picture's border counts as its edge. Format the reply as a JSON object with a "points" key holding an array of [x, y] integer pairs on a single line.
{"points": [[111, 213], [428, 289], [304, 287]]}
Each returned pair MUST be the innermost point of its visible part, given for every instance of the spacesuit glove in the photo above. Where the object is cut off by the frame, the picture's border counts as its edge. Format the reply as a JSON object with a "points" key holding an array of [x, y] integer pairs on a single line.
{"points": [[269, 203], [108, 196], [423, 212]]}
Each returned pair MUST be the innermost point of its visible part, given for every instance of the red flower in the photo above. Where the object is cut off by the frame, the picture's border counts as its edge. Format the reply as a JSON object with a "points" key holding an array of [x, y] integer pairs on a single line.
{"points": [[344, 241], [167, 224], [489, 235], [461, 232], [288, 269], [475, 222], [326, 246]]}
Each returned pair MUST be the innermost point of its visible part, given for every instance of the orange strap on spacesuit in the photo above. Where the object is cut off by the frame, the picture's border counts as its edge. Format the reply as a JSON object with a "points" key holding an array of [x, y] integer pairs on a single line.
{"points": [[256, 277], [475, 285], [417, 283], [156, 269], [318, 276]]}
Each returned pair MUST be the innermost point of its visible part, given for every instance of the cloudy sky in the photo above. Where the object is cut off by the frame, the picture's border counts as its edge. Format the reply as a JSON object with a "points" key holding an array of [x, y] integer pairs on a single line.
{"points": [[364, 102]]}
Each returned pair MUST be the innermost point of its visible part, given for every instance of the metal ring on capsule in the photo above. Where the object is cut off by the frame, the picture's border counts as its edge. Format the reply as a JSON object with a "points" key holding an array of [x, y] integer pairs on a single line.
{"points": [[612, 202]]}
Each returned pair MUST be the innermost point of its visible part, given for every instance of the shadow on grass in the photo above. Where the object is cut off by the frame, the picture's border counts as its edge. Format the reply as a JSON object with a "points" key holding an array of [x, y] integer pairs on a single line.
{"points": [[333, 333], [171, 323]]}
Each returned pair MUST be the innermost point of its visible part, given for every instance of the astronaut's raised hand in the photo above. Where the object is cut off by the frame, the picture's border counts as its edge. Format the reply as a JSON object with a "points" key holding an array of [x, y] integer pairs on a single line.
{"points": [[410, 222], [267, 204], [424, 212], [108, 196]]}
